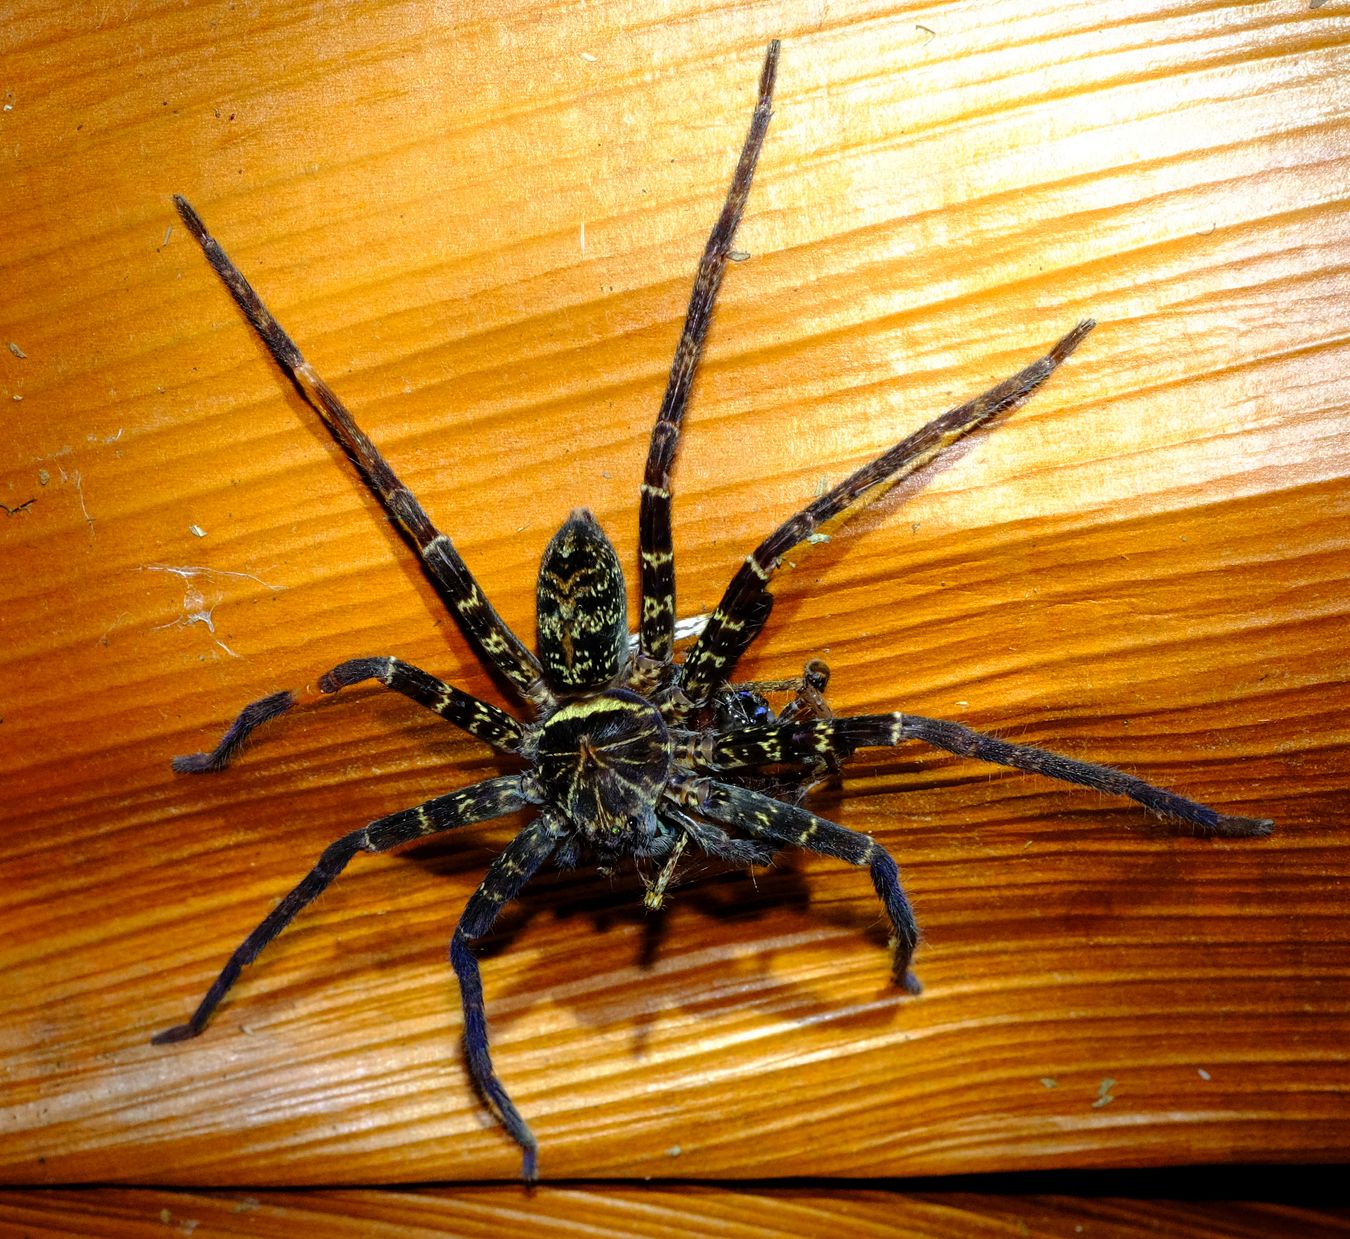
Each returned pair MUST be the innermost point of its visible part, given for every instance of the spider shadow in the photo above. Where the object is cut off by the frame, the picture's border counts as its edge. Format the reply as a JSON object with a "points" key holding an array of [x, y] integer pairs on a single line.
{"points": [[717, 905]]}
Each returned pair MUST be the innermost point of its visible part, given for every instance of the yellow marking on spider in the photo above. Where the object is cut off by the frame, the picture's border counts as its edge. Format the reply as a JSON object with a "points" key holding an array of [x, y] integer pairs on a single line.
{"points": [[656, 893]]}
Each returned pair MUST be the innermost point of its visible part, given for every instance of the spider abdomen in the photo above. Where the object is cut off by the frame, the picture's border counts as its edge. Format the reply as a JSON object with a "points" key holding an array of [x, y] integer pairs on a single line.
{"points": [[604, 761], [582, 607]]}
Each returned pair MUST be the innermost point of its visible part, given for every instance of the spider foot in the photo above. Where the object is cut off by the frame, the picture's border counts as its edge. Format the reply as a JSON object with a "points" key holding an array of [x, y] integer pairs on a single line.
{"points": [[1224, 826], [908, 982], [252, 716]]}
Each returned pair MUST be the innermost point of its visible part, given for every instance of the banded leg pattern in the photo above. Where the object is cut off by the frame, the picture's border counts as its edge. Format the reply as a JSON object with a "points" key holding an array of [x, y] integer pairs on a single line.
{"points": [[480, 719], [766, 818], [494, 641], [492, 798], [657, 622], [506, 877], [741, 613], [804, 741], [713, 840]]}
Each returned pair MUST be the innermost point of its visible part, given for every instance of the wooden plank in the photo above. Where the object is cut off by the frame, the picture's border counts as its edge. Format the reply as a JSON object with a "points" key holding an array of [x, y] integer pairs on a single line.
{"points": [[112, 1213], [483, 225]]}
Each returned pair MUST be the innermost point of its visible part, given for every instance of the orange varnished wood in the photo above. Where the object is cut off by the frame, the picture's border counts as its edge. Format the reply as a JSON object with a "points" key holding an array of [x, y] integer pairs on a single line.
{"points": [[482, 228], [637, 1213]]}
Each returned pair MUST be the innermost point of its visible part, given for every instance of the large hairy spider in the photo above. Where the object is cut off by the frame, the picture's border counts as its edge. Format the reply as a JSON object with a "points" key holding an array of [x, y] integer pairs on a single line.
{"points": [[629, 751]]}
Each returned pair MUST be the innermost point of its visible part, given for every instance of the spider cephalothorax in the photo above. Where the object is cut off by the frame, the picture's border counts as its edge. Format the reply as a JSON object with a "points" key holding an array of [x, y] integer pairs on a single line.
{"points": [[632, 753], [603, 762]]}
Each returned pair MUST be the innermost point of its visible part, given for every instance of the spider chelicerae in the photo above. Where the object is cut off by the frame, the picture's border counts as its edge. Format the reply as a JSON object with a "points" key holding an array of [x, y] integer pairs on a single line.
{"points": [[630, 751]]}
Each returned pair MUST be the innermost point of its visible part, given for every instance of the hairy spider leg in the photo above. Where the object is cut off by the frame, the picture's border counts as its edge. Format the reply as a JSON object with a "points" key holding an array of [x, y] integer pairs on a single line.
{"points": [[657, 622], [804, 741], [250, 718], [656, 887], [495, 643], [740, 615], [506, 877], [713, 840], [488, 799], [766, 818], [481, 720], [743, 703]]}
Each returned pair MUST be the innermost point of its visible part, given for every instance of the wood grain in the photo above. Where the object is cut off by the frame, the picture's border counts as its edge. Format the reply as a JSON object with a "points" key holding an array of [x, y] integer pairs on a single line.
{"points": [[635, 1213], [481, 222]]}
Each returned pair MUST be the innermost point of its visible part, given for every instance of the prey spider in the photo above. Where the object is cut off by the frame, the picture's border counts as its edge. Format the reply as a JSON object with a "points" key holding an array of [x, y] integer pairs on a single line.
{"points": [[631, 752]]}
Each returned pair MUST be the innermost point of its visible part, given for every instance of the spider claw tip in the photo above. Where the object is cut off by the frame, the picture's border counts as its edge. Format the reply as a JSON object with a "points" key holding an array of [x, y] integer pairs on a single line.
{"points": [[194, 763], [179, 1032]]}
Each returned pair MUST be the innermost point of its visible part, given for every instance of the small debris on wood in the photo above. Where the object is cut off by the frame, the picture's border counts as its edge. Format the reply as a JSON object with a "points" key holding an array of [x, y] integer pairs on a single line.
{"points": [[1104, 1097]]}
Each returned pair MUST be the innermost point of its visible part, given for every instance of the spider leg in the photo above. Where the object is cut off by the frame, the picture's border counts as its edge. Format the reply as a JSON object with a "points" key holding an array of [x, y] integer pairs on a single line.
{"points": [[491, 798], [741, 613], [743, 703], [657, 626], [710, 839], [780, 823], [499, 647], [656, 888], [506, 877], [478, 718], [713, 840], [251, 717], [810, 699], [803, 741]]}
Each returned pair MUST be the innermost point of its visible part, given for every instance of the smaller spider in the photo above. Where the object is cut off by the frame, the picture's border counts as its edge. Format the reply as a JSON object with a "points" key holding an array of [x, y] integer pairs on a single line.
{"points": [[632, 753]]}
